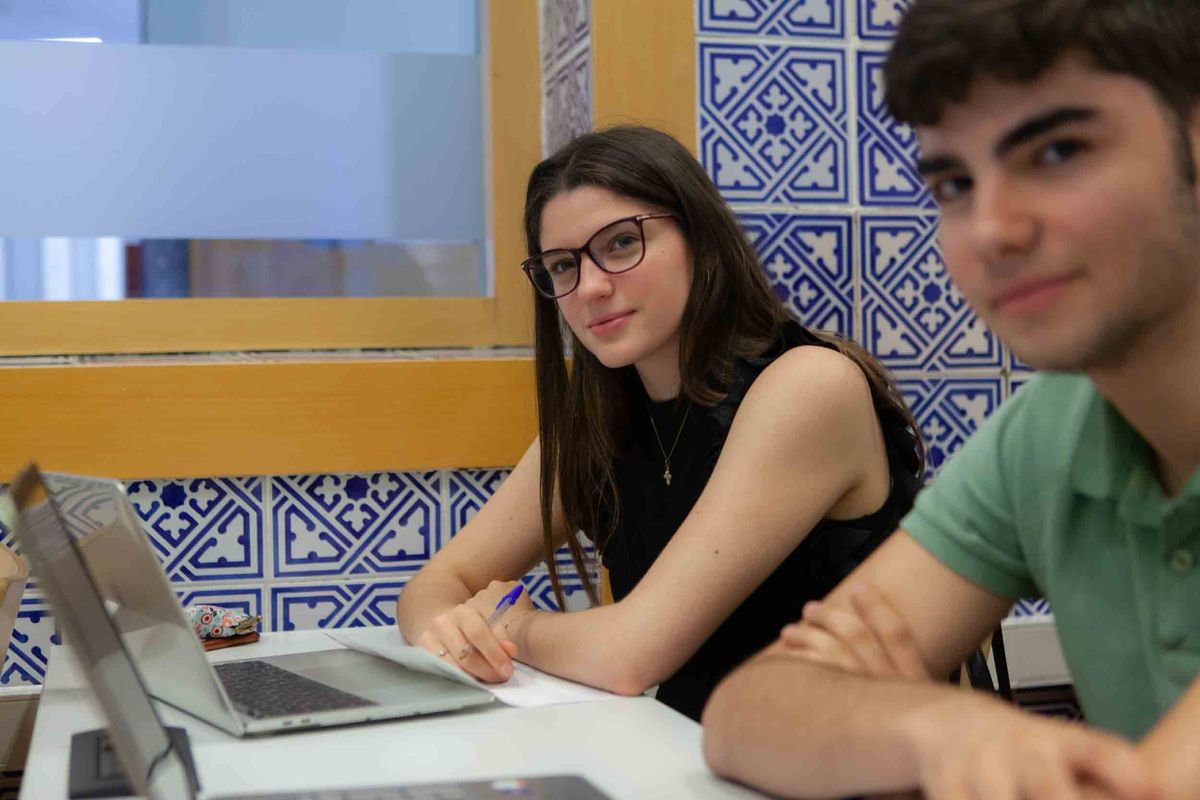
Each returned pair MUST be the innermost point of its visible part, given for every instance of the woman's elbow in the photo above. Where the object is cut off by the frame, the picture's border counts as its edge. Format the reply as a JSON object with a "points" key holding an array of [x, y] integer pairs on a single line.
{"points": [[629, 681], [633, 667]]}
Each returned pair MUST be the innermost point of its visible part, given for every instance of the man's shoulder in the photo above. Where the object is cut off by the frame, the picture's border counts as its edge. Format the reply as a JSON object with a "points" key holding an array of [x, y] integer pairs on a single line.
{"points": [[1033, 437], [1055, 385], [1049, 406], [985, 514]]}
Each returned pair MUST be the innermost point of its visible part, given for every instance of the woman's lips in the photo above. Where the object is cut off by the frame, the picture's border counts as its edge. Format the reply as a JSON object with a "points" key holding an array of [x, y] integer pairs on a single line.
{"points": [[609, 323]]}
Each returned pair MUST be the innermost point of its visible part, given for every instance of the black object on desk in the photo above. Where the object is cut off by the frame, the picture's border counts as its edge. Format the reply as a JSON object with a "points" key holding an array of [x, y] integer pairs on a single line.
{"points": [[94, 770]]}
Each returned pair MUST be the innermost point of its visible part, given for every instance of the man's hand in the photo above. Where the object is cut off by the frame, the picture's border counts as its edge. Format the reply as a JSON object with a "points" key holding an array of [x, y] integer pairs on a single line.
{"points": [[994, 750], [970, 749], [869, 637]]}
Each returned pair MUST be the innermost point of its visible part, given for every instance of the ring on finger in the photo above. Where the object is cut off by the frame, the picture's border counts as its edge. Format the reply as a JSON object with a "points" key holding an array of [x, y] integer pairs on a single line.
{"points": [[464, 651], [442, 653]]}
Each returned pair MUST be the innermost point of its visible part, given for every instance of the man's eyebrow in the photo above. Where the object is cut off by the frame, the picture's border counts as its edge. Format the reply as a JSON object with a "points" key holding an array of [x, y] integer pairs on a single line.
{"points": [[932, 164], [1029, 129], [1040, 124]]}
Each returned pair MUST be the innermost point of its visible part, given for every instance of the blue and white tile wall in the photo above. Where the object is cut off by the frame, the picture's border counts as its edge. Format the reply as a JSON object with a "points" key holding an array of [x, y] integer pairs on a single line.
{"points": [[566, 44], [792, 127]]}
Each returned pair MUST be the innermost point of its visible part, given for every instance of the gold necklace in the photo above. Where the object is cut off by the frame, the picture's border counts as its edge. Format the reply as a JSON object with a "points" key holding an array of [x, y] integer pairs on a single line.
{"points": [[667, 456]]}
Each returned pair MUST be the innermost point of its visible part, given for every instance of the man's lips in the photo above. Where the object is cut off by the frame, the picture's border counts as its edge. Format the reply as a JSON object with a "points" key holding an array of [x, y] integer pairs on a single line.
{"points": [[1029, 294]]}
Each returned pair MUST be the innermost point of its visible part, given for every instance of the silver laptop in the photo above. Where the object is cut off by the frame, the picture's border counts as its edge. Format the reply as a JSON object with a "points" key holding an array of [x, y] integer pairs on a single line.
{"points": [[86, 544]]}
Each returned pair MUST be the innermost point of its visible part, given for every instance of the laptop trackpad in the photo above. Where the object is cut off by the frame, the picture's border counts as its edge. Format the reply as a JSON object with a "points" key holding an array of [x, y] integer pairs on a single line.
{"points": [[375, 679]]}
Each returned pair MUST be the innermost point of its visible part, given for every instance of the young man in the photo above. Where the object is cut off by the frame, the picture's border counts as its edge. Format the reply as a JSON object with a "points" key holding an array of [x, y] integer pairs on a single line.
{"points": [[1060, 139]]}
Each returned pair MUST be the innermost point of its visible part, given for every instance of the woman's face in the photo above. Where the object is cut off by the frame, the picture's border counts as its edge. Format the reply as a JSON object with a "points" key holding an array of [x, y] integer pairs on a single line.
{"points": [[632, 317]]}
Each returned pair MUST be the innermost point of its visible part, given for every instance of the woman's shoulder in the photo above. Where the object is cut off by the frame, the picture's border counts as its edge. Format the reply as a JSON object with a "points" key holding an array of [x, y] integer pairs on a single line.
{"points": [[809, 390], [813, 372], [799, 365]]}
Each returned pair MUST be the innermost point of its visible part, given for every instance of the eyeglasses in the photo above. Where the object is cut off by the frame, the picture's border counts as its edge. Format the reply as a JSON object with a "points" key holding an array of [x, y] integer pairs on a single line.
{"points": [[617, 247]]}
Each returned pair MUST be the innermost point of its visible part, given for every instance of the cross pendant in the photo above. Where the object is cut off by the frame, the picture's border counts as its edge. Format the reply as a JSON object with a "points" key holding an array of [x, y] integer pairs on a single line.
{"points": [[667, 475]]}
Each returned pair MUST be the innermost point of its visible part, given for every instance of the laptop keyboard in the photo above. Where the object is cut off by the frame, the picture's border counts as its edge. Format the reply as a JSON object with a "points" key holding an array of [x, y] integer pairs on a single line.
{"points": [[261, 690], [545, 787], [382, 793]]}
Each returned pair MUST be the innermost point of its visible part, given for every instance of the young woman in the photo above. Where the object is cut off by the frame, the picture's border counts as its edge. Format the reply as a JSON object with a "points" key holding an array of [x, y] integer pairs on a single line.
{"points": [[728, 464]]}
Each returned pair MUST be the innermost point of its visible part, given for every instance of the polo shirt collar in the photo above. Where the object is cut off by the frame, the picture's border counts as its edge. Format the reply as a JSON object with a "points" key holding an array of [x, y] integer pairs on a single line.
{"points": [[1113, 462], [1104, 451]]}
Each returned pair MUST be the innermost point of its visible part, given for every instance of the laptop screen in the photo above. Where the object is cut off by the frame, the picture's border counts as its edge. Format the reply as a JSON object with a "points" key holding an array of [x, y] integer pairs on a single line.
{"points": [[134, 590], [136, 733]]}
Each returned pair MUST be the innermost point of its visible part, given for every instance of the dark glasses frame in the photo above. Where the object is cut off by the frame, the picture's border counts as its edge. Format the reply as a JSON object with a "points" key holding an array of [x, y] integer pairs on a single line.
{"points": [[576, 253]]}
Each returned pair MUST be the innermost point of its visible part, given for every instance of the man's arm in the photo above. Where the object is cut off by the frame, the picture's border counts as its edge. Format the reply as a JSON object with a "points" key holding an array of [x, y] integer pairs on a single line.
{"points": [[1172, 748], [805, 730], [780, 718]]}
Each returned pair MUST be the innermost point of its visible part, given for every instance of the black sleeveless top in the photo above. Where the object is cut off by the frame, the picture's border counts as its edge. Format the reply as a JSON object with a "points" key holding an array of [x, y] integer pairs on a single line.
{"points": [[651, 512]]}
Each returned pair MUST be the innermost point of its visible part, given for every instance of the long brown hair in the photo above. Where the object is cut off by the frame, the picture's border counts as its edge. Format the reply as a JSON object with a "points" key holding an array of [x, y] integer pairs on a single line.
{"points": [[731, 312]]}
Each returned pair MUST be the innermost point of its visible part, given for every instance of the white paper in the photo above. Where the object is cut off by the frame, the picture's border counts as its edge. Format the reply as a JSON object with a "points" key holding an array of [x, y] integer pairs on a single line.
{"points": [[526, 688]]}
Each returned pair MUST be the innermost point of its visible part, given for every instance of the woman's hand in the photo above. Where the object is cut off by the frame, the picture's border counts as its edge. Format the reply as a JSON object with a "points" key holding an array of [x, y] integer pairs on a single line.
{"points": [[462, 637], [486, 600]]}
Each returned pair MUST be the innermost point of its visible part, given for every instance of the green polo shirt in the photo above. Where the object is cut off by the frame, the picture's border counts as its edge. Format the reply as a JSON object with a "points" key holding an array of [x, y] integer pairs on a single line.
{"points": [[1056, 495]]}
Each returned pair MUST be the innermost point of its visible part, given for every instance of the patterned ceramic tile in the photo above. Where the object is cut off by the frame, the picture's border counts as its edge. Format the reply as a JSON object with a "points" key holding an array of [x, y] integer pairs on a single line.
{"points": [[246, 599], [565, 26], [567, 101], [1035, 607], [772, 17], [203, 529], [773, 122], [887, 150], [9, 540], [537, 583], [878, 19], [1015, 364], [949, 410], [83, 506], [344, 525], [334, 605], [29, 651], [471, 488], [562, 556], [912, 316], [1017, 379], [810, 263]]}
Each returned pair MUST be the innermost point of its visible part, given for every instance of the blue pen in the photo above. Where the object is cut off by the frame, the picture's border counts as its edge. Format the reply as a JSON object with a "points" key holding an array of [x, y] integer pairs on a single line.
{"points": [[505, 604]]}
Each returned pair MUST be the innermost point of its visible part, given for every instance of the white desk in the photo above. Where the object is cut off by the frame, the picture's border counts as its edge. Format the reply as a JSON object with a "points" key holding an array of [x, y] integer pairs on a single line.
{"points": [[629, 747]]}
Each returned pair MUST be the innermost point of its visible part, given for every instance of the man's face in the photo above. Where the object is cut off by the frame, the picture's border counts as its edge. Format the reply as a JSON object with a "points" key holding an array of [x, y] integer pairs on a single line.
{"points": [[1066, 221]]}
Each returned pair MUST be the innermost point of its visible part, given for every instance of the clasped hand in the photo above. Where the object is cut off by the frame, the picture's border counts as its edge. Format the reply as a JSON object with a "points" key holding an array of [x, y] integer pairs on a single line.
{"points": [[969, 745]]}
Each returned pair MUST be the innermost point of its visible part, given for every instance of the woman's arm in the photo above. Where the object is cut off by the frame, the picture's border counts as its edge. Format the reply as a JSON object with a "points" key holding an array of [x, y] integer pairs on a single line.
{"points": [[502, 542], [804, 441]]}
